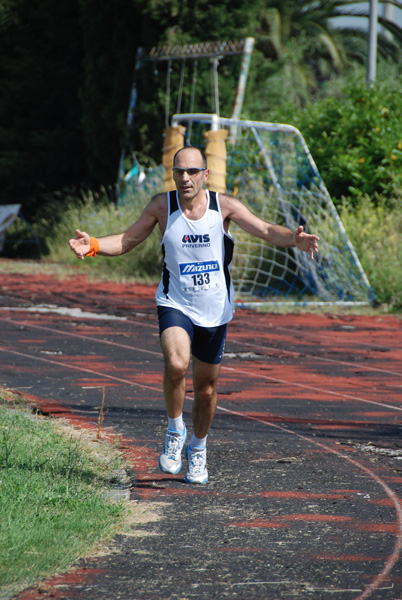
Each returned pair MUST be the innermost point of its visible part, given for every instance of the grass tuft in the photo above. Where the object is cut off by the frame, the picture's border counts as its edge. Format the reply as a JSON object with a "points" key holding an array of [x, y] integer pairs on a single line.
{"points": [[376, 234], [53, 509]]}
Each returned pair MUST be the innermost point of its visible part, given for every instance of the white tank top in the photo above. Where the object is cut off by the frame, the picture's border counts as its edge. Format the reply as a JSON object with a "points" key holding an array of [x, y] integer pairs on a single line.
{"points": [[197, 259]]}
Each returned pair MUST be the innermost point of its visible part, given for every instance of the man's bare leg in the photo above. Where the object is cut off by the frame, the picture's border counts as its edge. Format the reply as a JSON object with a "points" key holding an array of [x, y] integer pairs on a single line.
{"points": [[205, 378], [176, 347]]}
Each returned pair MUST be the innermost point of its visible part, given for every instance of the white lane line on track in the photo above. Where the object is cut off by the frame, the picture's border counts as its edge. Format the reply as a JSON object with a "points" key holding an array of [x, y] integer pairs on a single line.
{"points": [[314, 388], [82, 369], [133, 348], [224, 368], [392, 558], [81, 336], [336, 335], [304, 333], [321, 358]]}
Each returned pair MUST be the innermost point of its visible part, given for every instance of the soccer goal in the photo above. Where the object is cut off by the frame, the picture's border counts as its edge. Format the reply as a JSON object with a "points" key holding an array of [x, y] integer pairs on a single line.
{"points": [[270, 169]]}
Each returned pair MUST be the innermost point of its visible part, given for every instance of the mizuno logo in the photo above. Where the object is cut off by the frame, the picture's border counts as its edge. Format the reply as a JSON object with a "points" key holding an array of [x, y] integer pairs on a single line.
{"points": [[199, 267]]}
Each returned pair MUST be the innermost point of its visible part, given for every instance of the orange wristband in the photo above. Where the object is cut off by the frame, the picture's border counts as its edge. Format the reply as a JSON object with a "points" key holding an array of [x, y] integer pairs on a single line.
{"points": [[94, 247]]}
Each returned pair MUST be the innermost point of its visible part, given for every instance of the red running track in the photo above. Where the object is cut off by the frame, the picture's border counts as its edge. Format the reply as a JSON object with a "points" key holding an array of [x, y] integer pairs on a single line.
{"points": [[304, 455]]}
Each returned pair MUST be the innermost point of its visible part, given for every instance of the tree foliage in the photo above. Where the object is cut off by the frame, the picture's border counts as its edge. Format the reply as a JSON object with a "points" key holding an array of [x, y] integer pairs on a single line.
{"points": [[67, 67], [110, 34], [41, 144], [355, 136]]}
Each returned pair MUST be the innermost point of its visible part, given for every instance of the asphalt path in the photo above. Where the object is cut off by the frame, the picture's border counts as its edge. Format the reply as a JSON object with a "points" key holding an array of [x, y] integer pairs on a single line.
{"points": [[304, 454]]}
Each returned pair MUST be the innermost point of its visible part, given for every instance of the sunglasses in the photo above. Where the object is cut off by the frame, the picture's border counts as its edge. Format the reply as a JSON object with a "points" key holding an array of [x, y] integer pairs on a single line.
{"points": [[192, 172]]}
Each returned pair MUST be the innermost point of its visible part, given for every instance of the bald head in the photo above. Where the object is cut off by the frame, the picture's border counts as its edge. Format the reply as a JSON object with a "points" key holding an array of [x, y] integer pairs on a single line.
{"points": [[193, 150]]}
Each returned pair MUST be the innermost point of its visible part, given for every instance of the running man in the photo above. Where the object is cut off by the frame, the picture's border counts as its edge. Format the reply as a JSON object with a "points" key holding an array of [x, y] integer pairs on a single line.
{"points": [[195, 296]]}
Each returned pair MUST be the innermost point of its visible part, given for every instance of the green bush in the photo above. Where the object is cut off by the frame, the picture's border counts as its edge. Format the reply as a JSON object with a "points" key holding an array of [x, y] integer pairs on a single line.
{"points": [[376, 233], [99, 219], [355, 137]]}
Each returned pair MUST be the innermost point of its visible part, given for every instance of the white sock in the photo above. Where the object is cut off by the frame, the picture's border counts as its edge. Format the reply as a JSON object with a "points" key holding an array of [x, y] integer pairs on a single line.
{"points": [[198, 442], [176, 424]]}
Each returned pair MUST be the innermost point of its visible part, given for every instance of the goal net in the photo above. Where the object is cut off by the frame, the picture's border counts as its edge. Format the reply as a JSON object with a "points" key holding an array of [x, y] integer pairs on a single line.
{"points": [[270, 169]]}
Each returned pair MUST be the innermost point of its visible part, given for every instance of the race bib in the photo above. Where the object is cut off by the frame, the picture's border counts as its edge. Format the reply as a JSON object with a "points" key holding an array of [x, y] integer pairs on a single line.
{"points": [[199, 276]]}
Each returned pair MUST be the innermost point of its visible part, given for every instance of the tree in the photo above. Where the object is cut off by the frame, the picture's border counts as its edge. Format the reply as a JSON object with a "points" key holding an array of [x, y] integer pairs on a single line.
{"points": [[354, 133], [298, 46], [40, 131], [66, 70], [355, 38], [110, 36]]}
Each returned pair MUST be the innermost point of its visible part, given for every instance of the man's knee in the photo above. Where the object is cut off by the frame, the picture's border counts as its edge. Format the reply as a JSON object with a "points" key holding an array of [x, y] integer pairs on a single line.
{"points": [[176, 367], [205, 391]]}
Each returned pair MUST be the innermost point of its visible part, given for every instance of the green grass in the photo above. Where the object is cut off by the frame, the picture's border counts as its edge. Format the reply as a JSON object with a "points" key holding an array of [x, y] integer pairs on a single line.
{"points": [[376, 234], [53, 508], [38, 267], [102, 218]]}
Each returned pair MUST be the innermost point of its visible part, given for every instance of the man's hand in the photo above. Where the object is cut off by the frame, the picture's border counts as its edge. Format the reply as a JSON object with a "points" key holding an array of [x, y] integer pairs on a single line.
{"points": [[80, 244], [306, 242]]}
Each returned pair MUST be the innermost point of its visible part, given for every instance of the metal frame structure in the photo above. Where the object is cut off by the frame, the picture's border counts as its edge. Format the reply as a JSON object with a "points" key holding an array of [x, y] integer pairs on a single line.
{"points": [[197, 50], [217, 122]]}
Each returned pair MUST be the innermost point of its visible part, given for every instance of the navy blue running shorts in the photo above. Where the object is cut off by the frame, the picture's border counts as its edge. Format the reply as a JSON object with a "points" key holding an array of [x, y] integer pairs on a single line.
{"points": [[207, 343]]}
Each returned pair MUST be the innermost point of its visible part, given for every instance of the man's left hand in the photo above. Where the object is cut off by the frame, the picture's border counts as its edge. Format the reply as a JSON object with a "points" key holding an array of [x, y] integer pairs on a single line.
{"points": [[306, 242]]}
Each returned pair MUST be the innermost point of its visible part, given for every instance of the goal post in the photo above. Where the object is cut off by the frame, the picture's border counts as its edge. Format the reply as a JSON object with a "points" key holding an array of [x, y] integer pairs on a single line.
{"points": [[270, 169]]}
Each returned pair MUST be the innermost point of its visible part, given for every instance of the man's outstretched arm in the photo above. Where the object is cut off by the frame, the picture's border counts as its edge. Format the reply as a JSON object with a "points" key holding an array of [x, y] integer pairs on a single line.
{"points": [[119, 243], [274, 234]]}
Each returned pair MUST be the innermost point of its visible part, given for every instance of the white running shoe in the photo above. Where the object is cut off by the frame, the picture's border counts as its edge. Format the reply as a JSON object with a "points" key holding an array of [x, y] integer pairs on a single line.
{"points": [[170, 457], [197, 465]]}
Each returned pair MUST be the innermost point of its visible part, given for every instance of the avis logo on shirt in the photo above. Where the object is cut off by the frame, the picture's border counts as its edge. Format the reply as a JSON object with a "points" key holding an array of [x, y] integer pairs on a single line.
{"points": [[196, 239]]}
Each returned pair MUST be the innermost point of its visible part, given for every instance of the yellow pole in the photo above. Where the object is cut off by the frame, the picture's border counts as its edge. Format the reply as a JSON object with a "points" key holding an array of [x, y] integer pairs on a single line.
{"points": [[174, 140], [216, 157]]}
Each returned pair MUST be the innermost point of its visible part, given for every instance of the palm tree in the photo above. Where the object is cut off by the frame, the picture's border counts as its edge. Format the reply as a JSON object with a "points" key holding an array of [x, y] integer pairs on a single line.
{"points": [[284, 20], [300, 40], [355, 38], [299, 45]]}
